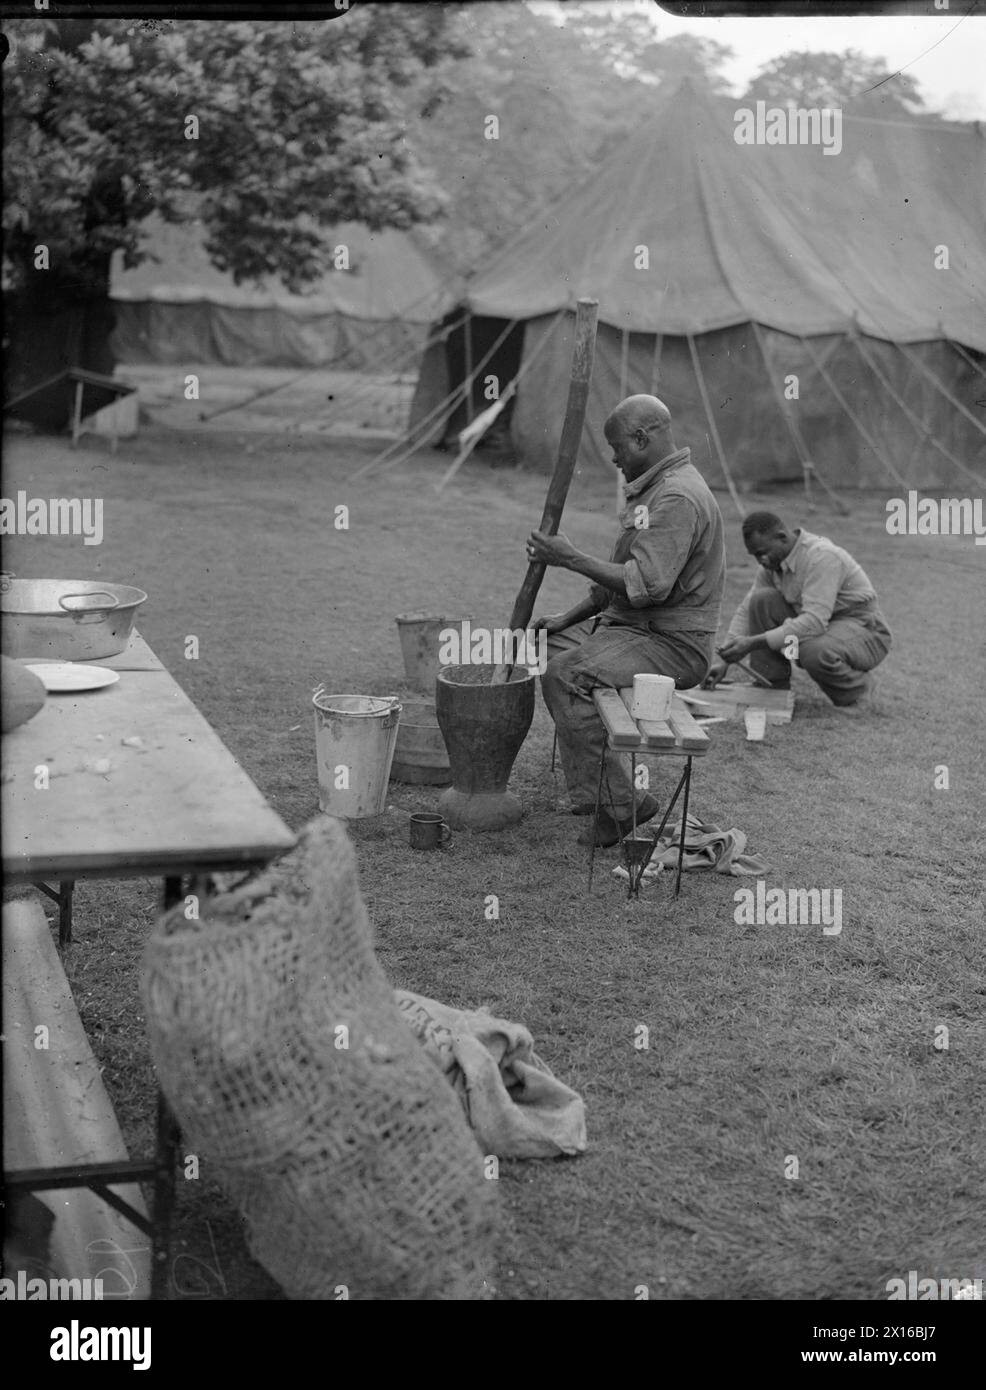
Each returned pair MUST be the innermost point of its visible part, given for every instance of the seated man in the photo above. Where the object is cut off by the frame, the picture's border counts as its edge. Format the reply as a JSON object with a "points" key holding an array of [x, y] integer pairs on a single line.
{"points": [[659, 598], [813, 591]]}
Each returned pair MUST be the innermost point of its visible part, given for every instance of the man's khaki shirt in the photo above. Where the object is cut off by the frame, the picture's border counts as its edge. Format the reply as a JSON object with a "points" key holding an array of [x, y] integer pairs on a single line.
{"points": [[820, 581], [672, 551]]}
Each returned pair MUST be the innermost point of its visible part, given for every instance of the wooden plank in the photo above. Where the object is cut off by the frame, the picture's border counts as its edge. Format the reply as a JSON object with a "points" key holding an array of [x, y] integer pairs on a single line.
{"points": [[176, 802], [655, 733], [694, 703], [689, 734], [729, 699], [622, 730]]}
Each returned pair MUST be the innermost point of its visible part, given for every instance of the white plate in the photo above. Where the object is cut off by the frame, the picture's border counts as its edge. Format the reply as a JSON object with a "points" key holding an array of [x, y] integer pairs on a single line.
{"points": [[73, 675]]}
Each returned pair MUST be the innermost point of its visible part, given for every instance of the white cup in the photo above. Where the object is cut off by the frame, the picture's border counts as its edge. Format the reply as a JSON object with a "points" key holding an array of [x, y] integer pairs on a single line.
{"points": [[652, 697]]}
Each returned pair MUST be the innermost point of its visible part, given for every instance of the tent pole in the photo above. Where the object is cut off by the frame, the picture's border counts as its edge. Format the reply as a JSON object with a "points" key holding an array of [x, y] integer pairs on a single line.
{"points": [[953, 400], [467, 339], [827, 377], [451, 471], [464, 452], [712, 426], [840, 506], [807, 467], [799, 444], [443, 405], [965, 356], [624, 387], [364, 389], [915, 420], [77, 415], [454, 395], [624, 362], [655, 370]]}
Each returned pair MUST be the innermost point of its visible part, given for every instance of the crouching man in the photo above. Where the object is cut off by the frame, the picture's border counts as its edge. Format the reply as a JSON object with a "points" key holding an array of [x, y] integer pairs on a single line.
{"points": [[657, 602], [810, 602]]}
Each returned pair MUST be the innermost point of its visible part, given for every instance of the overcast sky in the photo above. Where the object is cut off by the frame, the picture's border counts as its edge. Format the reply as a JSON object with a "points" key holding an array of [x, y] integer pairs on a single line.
{"points": [[947, 55]]}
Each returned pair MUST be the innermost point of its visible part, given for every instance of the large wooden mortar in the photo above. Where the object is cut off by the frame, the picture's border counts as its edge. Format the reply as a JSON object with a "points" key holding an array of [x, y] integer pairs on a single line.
{"points": [[483, 726]]}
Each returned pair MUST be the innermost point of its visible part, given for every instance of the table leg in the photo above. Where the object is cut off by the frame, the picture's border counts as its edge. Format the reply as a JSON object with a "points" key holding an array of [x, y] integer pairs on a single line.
{"points": [[65, 889], [62, 895], [165, 1162], [77, 414], [684, 824], [633, 793]]}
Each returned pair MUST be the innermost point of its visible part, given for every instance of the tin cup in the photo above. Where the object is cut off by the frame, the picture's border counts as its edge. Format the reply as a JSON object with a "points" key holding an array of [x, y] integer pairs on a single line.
{"points": [[429, 831], [652, 697]]}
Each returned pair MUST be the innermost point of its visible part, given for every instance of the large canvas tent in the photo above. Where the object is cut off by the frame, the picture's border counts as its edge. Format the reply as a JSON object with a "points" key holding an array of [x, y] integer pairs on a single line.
{"points": [[179, 308], [793, 306]]}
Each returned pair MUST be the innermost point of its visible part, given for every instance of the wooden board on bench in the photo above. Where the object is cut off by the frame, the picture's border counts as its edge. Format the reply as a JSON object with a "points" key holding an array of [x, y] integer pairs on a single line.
{"points": [[689, 734], [622, 731], [655, 733]]}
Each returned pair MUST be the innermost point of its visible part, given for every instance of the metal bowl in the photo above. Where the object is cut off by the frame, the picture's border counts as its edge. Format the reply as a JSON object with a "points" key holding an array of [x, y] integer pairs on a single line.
{"points": [[66, 619]]}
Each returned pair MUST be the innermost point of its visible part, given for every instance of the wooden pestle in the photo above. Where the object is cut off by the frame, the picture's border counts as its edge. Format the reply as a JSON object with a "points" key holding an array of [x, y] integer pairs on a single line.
{"points": [[586, 314]]}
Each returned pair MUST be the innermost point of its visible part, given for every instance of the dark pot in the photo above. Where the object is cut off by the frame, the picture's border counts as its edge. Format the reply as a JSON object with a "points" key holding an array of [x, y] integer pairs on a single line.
{"points": [[483, 726]]}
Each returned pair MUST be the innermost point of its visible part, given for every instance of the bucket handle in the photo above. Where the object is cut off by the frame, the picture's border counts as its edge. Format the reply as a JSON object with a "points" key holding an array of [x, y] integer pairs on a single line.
{"points": [[395, 700], [92, 615]]}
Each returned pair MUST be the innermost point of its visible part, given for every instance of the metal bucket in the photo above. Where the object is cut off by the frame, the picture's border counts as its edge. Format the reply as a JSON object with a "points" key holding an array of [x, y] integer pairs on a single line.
{"points": [[420, 758], [355, 737], [66, 619], [419, 635]]}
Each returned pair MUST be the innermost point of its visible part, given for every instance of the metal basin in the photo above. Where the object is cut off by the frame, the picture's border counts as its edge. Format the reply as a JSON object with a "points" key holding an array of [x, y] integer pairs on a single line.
{"points": [[66, 619]]}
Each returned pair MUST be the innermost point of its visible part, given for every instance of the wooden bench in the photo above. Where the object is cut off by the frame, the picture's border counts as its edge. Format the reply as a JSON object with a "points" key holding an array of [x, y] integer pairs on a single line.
{"points": [[58, 1118], [680, 736]]}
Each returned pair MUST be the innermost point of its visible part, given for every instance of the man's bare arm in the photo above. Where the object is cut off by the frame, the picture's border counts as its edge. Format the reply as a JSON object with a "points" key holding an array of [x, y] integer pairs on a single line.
{"points": [[559, 550], [588, 608]]}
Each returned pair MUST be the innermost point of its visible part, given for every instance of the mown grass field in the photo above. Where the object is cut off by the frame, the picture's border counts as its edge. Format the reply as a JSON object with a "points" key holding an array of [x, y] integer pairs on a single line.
{"points": [[764, 1042]]}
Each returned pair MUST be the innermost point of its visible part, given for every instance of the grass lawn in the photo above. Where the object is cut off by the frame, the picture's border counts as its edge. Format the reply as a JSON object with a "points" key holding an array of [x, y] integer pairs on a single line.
{"points": [[764, 1042]]}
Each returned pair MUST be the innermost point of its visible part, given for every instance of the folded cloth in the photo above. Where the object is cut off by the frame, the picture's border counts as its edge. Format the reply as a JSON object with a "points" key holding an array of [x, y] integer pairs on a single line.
{"points": [[516, 1107], [706, 847]]}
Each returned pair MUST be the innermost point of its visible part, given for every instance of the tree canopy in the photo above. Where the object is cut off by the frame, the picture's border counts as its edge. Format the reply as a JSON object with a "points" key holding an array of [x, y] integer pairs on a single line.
{"points": [[864, 86], [272, 132], [460, 120]]}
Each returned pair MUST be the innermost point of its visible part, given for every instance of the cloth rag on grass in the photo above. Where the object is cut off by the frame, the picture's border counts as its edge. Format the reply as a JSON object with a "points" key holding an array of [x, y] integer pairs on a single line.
{"points": [[706, 847], [517, 1108]]}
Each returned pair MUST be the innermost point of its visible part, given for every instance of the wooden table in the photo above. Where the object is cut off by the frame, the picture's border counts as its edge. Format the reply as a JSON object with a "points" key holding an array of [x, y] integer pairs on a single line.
{"points": [[172, 802]]}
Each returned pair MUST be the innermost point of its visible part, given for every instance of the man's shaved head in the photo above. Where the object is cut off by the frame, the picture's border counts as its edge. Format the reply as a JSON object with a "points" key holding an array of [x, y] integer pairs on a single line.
{"points": [[640, 413], [639, 433]]}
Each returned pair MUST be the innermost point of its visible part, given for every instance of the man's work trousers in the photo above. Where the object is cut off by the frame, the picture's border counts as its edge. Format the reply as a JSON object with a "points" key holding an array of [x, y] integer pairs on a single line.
{"points": [[579, 661], [837, 660]]}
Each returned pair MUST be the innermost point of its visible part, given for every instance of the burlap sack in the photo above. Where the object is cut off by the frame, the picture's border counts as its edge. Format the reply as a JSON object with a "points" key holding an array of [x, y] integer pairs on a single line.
{"points": [[515, 1105], [279, 1045]]}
